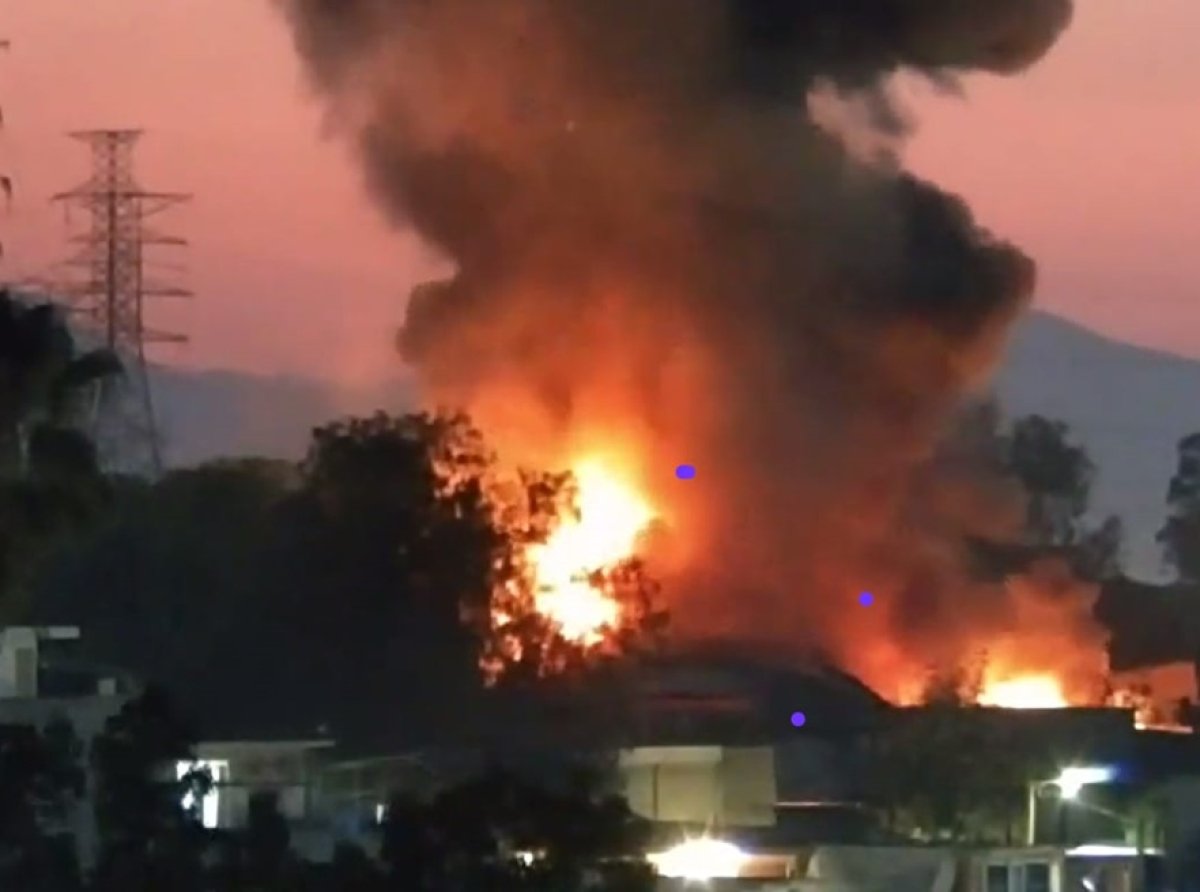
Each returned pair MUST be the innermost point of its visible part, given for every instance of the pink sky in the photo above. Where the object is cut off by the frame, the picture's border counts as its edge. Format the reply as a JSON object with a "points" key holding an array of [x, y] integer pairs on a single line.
{"points": [[1091, 163]]}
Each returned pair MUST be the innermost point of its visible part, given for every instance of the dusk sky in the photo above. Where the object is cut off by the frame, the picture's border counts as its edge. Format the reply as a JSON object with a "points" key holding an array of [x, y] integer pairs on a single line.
{"points": [[1091, 163]]}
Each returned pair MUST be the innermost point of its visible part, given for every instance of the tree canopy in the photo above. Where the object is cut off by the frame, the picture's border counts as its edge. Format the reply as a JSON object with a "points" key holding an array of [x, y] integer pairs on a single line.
{"points": [[352, 591], [150, 838], [40, 782], [50, 479], [1054, 476], [1180, 534], [501, 832]]}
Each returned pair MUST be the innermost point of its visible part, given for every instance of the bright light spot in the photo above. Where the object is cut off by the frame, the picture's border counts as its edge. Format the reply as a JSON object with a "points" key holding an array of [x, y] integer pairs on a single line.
{"points": [[1072, 780], [611, 517], [700, 859], [1024, 692], [209, 805], [1103, 850]]}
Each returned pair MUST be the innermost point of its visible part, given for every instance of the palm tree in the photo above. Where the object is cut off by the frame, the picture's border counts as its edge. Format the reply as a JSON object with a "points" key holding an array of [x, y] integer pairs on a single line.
{"points": [[50, 478]]}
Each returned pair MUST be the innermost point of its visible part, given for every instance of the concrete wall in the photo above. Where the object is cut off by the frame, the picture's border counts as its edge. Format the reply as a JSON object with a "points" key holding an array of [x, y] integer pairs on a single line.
{"points": [[723, 786]]}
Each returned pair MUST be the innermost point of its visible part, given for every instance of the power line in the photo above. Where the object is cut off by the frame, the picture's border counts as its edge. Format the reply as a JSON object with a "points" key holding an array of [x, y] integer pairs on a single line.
{"points": [[111, 295]]}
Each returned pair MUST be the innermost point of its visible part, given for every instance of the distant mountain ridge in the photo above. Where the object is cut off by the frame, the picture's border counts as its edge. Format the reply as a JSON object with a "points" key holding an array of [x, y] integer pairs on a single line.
{"points": [[209, 414], [1129, 405]]}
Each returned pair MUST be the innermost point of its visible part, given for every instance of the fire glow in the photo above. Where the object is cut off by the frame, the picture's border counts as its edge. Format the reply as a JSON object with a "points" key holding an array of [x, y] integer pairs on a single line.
{"points": [[611, 516], [1024, 692], [672, 244]]}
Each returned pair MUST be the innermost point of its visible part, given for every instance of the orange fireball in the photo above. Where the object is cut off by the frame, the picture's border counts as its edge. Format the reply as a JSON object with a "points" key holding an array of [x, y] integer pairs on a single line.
{"points": [[611, 517]]}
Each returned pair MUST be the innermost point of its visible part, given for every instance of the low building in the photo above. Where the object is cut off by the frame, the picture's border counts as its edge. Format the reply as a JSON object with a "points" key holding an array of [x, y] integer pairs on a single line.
{"points": [[1095, 867], [284, 771], [908, 868], [701, 785], [41, 684]]}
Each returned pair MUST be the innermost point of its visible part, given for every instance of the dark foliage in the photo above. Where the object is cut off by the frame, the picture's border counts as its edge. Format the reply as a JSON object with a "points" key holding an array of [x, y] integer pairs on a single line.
{"points": [[40, 784], [1056, 474], [1180, 534], [1037, 458], [327, 588], [259, 856], [468, 837], [947, 773], [500, 832], [148, 839], [50, 480]]}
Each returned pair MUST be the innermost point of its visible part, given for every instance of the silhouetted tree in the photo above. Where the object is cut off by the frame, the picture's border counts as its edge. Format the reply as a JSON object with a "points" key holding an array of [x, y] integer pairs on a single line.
{"points": [[327, 587], [946, 772], [1057, 475], [1054, 474], [50, 480], [259, 856], [179, 571], [149, 840], [1180, 535], [500, 832], [41, 780], [1098, 552]]}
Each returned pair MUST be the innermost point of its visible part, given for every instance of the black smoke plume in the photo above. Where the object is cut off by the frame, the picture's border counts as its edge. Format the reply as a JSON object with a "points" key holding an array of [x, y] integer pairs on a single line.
{"points": [[655, 242]]}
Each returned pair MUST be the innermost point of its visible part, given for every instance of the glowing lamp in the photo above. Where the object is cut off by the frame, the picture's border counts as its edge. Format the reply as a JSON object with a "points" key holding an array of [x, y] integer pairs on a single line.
{"points": [[700, 860], [1072, 780]]}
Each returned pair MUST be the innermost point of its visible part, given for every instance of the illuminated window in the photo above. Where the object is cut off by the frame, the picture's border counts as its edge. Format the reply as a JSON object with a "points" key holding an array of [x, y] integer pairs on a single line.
{"points": [[219, 771]]}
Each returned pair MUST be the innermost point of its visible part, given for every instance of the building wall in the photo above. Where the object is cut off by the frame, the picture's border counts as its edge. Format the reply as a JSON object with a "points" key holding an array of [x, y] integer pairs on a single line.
{"points": [[19, 656], [724, 786], [287, 769], [749, 786]]}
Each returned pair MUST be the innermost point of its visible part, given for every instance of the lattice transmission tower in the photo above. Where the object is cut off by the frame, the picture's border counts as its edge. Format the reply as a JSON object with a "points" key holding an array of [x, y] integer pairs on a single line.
{"points": [[111, 293]]}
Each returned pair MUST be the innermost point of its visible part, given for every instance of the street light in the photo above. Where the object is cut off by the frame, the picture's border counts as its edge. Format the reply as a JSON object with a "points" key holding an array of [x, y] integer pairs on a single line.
{"points": [[1072, 780], [1069, 784]]}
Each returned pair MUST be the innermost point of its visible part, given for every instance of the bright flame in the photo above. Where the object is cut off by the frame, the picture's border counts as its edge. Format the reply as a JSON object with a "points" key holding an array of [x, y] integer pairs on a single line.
{"points": [[1024, 692], [611, 517], [700, 860]]}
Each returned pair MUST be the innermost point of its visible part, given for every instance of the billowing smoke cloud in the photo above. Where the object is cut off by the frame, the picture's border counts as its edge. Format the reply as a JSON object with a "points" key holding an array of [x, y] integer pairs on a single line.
{"points": [[656, 244]]}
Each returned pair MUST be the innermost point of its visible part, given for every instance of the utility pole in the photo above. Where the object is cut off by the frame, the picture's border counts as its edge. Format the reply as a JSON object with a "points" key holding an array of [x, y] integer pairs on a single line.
{"points": [[111, 294]]}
